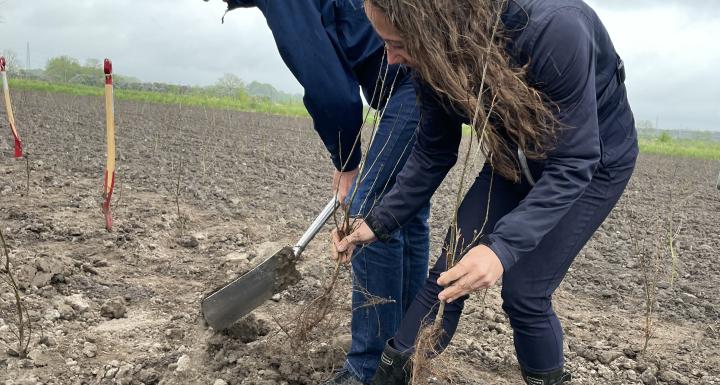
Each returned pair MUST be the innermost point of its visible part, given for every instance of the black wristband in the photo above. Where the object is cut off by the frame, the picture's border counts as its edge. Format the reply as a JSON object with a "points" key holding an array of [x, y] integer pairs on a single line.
{"points": [[380, 231]]}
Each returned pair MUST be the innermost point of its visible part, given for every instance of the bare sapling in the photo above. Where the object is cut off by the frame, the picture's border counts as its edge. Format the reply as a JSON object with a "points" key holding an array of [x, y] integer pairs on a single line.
{"points": [[427, 342], [674, 225], [671, 236], [182, 218], [649, 249], [21, 327], [27, 175], [653, 241], [425, 362], [26, 155], [208, 140]]}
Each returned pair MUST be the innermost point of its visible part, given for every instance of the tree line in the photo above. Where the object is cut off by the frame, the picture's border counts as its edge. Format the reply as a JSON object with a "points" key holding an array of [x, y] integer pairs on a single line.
{"points": [[66, 69]]}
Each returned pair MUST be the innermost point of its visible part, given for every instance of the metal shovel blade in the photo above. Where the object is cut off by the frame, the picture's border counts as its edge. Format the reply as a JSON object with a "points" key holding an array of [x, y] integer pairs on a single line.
{"points": [[225, 306], [241, 296]]}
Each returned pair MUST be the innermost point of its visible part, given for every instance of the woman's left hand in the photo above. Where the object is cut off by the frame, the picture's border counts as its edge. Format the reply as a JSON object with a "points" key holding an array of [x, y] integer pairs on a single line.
{"points": [[478, 269]]}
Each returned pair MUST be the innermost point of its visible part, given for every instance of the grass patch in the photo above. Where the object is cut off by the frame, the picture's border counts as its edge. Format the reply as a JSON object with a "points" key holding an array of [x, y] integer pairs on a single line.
{"points": [[230, 103], [663, 145]]}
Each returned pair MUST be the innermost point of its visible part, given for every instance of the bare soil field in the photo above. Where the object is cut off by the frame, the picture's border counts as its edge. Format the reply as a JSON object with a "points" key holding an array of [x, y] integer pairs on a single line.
{"points": [[123, 307]]}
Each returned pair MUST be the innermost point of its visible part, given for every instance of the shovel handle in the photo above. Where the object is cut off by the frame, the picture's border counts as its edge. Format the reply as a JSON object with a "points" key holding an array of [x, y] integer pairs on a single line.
{"points": [[317, 224]]}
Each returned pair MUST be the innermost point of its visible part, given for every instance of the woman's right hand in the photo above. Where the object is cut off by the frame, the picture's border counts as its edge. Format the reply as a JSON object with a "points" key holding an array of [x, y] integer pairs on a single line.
{"points": [[343, 247]]}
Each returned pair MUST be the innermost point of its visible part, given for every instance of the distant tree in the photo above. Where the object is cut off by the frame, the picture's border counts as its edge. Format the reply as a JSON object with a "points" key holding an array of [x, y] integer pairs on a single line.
{"points": [[265, 90], [63, 68], [229, 85]]}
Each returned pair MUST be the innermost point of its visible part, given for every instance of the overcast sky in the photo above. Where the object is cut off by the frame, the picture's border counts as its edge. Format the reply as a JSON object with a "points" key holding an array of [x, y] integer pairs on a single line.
{"points": [[671, 47]]}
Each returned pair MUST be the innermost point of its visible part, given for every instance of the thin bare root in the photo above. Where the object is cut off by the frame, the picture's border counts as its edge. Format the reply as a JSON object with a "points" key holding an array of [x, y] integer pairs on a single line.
{"points": [[429, 366], [315, 312]]}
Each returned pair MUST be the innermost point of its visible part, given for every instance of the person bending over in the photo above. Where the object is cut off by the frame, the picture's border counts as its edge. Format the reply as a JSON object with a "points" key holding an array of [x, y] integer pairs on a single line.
{"points": [[560, 146]]}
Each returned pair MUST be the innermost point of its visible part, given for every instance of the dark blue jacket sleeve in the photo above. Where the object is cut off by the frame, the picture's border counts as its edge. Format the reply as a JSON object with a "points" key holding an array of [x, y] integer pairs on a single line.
{"points": [[562, 65], [332, 95], [434, 154]]}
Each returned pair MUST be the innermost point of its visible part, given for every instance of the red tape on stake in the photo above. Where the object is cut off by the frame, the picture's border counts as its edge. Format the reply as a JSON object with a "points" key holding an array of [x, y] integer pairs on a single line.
{"points": [[108, 198], [18, 147], [107, 67]]}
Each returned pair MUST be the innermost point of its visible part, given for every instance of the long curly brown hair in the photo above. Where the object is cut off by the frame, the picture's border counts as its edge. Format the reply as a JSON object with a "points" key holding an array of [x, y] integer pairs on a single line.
{"points": [[459, 49]]}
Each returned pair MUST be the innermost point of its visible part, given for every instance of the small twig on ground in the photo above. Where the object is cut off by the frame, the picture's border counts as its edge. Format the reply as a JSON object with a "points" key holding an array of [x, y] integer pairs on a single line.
{"points": [[23, 327]]}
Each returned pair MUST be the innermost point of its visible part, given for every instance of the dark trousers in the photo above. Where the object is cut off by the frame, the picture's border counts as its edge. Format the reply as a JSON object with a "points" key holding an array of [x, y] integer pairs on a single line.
{"points": [[528, 286]]}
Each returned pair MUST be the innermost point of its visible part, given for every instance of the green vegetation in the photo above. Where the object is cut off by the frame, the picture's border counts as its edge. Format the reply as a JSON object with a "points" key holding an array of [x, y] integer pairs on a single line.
{"points": [[65, 74], [252, 104], [695, 144], [665, 145]]}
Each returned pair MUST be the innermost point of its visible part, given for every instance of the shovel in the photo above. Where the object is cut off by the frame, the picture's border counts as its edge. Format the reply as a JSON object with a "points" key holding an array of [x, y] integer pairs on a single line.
{"points": [[226, 305]]}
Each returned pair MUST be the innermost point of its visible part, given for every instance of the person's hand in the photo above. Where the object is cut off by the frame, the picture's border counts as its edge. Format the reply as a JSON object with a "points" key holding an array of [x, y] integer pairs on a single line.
{"points": [[342, 181], [478, 269], [342, 247]]}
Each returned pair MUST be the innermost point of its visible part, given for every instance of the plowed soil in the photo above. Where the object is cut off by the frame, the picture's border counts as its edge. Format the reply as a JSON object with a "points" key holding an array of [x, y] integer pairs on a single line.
{"points": [[122, 307]]}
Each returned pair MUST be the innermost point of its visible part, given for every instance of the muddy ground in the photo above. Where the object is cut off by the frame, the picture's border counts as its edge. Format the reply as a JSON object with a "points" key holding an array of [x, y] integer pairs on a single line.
{"points": [[123, 307]]}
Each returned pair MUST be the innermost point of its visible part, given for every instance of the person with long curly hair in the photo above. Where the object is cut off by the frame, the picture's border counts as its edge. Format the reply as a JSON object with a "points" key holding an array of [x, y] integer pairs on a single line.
{"points": [[542, 85]]}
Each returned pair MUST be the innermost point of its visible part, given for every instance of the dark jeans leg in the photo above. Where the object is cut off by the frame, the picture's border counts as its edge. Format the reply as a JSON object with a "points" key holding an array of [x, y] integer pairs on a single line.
{"points": [[393, 270], [528, 287]]}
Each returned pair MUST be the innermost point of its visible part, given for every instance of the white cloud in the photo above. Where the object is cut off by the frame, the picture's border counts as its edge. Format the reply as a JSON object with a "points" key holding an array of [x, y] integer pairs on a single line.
{"points": [[179, 41], [670, 49]]}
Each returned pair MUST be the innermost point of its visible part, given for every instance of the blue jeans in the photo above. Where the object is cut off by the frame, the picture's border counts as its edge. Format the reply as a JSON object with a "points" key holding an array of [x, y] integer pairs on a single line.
{"points": [[390, 273]]}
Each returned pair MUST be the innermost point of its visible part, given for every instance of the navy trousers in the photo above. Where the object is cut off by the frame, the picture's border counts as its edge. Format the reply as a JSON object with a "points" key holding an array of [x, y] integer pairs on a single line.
{"points": [[527, 287]]}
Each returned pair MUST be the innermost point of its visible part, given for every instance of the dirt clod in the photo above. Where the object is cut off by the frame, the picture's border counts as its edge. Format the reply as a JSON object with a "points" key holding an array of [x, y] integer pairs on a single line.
{"points": [[248, 329], [114, 308], [188, 241], [286, 273]]}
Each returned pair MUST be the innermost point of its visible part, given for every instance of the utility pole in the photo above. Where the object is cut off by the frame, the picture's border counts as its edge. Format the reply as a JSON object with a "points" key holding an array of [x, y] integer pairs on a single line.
{"points": [[27, 57]]}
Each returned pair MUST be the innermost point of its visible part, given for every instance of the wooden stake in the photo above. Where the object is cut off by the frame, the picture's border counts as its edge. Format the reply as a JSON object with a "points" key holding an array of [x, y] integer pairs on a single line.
{"points": [[8, 107], [109, 182]]}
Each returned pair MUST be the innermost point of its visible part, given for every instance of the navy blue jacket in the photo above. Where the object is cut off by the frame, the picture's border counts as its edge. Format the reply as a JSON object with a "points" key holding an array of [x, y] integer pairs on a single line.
{"points": [[331, 48], [573, 62]]}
